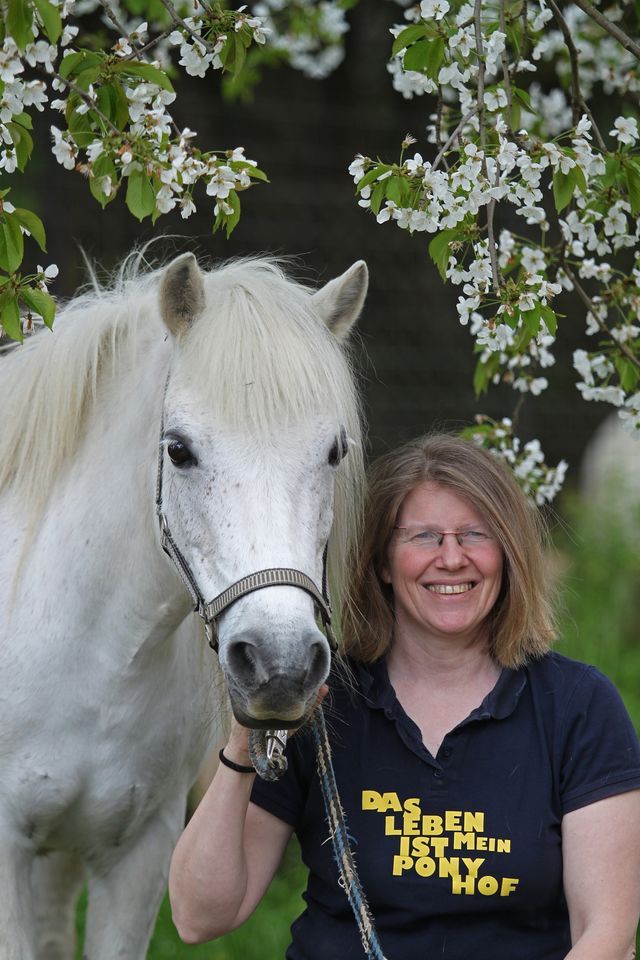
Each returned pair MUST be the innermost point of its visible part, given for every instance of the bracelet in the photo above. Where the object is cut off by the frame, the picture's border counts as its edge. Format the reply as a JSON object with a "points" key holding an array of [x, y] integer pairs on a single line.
{"points": [[238, 767]]}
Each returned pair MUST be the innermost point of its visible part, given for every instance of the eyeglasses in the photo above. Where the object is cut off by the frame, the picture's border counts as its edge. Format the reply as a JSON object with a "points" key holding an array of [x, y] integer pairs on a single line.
{"points": [[429, 539]]}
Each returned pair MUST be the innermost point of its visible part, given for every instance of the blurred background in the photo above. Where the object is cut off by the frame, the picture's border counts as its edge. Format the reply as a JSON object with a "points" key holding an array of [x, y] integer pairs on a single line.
{"points": [[415, 359]]}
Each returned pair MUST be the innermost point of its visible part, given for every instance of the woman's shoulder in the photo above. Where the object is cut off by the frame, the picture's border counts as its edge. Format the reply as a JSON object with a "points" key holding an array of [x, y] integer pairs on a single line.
{"points": [[561, 672], [573, 685]]}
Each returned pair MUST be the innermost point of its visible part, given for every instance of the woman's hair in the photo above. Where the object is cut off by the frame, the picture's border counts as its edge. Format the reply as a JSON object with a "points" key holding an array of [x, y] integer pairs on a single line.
{"points": [[521, 621]]}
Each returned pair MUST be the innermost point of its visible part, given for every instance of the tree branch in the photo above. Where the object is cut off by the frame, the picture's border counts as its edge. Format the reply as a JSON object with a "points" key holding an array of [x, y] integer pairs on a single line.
{"points": [[111, 14], [173, 13], [88, 100], [454, 135], [579, 103], [591, 307], [610, 27], [493, 254]]}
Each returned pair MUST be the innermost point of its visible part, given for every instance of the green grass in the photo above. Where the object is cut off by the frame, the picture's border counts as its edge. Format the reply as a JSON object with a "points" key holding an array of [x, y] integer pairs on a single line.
{"points": [[598, 565], [599, 562]]}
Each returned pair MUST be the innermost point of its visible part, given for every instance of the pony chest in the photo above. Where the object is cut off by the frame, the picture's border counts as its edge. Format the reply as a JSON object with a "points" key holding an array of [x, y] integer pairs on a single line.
{"points": [[63, 810]]}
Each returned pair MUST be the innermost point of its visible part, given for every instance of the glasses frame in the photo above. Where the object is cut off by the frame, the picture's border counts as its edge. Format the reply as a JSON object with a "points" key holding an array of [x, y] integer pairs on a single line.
{"points": [[441, 534]]}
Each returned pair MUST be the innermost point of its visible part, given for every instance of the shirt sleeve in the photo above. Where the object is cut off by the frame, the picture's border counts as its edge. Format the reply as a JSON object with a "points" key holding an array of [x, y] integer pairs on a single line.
{"points": [[601, 753], [286, 798]]}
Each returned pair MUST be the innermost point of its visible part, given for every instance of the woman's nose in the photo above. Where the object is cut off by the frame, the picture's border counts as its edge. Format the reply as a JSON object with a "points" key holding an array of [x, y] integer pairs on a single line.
{"points": [[450, 553]]}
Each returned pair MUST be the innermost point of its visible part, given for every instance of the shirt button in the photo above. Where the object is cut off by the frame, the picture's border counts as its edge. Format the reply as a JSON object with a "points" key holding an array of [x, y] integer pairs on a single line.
{"points": [[437, 774]]}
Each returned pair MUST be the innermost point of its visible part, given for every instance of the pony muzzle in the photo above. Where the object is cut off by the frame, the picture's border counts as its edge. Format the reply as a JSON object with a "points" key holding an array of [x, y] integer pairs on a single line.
{"points": [[265, 695]]}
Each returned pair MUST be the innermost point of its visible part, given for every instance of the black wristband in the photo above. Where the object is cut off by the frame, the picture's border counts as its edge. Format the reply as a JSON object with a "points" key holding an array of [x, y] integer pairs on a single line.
{"points": [[238, 767]]}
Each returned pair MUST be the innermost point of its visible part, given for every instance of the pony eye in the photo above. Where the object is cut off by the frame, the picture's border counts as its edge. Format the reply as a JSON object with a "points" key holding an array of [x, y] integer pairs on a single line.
{"points": [[179, 453], [339, 449]]}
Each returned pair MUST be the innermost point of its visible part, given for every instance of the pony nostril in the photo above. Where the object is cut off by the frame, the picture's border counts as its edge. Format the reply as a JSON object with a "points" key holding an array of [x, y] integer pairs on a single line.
{"points": [[318, 664], [242, 660]]}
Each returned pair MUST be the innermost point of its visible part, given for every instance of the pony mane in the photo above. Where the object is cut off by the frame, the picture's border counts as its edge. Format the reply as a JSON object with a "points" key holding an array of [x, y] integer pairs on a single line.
{"points": [[257, 354]]}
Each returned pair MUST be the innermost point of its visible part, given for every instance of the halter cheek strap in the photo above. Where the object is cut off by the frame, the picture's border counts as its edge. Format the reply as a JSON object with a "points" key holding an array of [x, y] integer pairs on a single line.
{"points": [[210, 610]]}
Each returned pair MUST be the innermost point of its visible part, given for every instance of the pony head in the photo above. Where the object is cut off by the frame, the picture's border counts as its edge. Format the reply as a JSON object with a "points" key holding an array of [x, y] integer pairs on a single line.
{"points": [[261, 460]]}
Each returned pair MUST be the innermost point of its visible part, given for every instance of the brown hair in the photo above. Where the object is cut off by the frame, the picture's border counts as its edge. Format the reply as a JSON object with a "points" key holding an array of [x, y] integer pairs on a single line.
{"points": [[522, 622]]}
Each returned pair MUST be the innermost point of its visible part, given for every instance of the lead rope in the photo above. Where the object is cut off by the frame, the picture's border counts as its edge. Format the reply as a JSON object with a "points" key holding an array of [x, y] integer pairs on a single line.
{"points": [[349, 879]]}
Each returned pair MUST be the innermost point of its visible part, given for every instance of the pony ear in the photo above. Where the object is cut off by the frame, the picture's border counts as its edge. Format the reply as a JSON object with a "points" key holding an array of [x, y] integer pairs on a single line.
{"points": [[181, 293], [340, 301]]}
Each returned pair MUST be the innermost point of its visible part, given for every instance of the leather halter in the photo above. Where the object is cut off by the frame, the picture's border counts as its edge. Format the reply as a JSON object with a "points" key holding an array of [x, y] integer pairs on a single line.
{"points": [[210, 610]]}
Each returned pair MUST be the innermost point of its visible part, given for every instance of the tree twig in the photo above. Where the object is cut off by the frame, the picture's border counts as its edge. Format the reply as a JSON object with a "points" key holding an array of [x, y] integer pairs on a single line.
{"points": [[453, 136], [579, 103], [611, 28], [591, 307], [173, 13], [111, 14], [493, 254], [88, 100]]}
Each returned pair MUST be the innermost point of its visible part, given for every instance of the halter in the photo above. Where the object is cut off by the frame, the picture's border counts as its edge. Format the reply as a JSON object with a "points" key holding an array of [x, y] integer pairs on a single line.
{"points": [[210, 611]]}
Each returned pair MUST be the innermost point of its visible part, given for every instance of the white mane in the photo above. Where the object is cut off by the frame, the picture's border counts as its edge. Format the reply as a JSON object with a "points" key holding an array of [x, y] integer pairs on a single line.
{"points": [[257, 353]]}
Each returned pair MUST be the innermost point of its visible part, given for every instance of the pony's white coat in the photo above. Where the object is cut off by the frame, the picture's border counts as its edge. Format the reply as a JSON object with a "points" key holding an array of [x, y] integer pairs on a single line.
{"points": [[109, 695]]}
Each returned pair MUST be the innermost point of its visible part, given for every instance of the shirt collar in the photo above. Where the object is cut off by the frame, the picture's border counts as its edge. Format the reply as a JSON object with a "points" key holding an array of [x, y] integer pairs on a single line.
{"points": [[499, 702]]}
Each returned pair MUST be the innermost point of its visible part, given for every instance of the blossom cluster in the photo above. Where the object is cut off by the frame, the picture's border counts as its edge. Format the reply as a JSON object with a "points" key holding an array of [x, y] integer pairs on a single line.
{"points": [[307, 33], [507, 151], [115, 125], [540, 482]]}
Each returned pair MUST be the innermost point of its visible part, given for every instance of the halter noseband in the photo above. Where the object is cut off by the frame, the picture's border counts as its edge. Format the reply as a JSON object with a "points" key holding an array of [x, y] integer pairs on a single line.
{"points": [[210, 610]]}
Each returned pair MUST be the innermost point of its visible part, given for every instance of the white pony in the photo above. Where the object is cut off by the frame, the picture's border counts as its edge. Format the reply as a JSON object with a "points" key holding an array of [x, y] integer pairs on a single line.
{"points": [[108, 694]]}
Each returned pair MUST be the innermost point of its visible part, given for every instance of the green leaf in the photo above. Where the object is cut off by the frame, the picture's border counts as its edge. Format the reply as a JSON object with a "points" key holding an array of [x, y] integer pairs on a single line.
{"points": [[426, 56], [632, 175], [31, 222], [550, 319], [10, 316], [145, 70], [11, 243], [88, 75], [579, 179], [257, 174], [523, 97], [78, 62], [612, 170], [378, 194], [103, 167], [232, 219], [563, 184], [112, 101], [40, 302], [531, 320], [484, 373], [439, 250], [50, 19], [20, 22], [24, 120], [396, 190], [23, 142], [628, 373], [141, 197], [372, 175], [408, 36], [80, 128]]}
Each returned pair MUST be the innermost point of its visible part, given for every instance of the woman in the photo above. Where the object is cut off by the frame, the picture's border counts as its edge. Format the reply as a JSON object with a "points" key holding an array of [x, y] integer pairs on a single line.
{"points": [[491, 787]]}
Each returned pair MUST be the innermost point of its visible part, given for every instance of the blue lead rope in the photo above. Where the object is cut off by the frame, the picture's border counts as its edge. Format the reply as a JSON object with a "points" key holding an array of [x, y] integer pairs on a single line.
{"points": [[342, 852]]}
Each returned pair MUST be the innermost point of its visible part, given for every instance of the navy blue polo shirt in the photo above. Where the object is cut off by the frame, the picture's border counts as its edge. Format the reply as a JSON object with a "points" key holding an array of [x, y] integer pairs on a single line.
{"points": [[460, 854]]}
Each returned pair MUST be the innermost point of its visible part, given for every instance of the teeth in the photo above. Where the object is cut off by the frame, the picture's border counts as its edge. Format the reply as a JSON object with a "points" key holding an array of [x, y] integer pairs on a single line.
{"points": [[449, 587]]}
